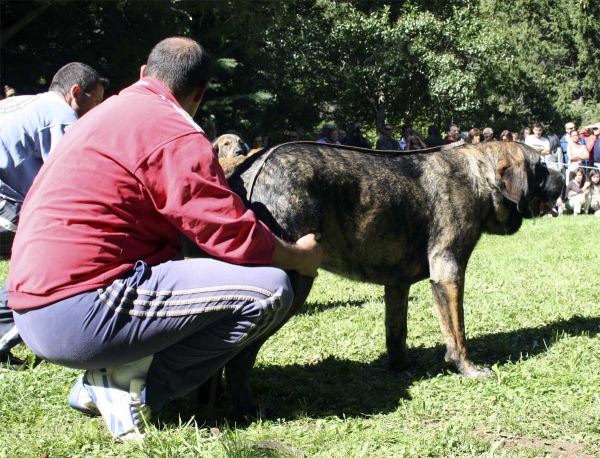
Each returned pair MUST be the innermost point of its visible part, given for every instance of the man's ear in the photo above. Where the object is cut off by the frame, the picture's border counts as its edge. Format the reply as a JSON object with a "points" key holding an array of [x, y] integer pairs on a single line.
{"points": [[142, 71], [72, 96], [75, 90]]}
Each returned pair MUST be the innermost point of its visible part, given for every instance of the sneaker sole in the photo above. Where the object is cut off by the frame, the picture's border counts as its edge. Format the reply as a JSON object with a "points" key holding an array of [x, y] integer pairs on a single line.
{"points": [[100, 391]]}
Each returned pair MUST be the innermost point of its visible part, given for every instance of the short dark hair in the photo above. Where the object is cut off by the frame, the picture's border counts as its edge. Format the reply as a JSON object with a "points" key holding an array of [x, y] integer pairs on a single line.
{"points": [[181, 63], [79, 74], [538, 124], [433, 130]]}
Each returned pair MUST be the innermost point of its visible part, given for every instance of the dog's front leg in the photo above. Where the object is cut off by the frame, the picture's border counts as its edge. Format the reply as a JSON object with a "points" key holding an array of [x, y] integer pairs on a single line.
{"points": [[448, 297], [396, 310]]}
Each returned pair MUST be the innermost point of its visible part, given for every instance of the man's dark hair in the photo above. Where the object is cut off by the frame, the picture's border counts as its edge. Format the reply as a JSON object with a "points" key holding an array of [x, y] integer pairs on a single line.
{"points": [[406, 126], [181, 64], [538, 124], [433, 130], [76, 73]]}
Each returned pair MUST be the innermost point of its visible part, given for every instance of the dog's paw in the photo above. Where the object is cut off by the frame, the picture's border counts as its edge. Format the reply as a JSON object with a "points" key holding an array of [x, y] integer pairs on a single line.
{"points": [[480, 373], [400, 364]]}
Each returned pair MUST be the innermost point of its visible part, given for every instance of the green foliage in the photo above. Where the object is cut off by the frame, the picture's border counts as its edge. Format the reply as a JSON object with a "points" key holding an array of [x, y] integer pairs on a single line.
{"points": [[282, 65]]}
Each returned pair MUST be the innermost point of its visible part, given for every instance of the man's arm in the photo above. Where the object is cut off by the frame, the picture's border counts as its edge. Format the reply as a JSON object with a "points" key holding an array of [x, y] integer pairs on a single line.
{"points": [[305, 256], [538, 148]]}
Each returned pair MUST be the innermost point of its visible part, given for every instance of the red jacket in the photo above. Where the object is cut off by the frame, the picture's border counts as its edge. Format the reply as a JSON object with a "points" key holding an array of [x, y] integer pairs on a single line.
{"points": [[122, 185]]}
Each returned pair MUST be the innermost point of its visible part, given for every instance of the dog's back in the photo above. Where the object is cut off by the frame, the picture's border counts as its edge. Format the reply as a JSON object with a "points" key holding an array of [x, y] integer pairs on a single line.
{"points": [[373, 210]]}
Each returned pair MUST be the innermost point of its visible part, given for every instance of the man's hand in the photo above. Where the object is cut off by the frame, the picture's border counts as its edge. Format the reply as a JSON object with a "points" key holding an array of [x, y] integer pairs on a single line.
{"points": [[305, 256]]}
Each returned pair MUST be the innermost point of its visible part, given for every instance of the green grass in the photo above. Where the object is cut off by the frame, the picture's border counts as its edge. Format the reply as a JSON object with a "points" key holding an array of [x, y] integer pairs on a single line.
{"points": [[532, 314]]}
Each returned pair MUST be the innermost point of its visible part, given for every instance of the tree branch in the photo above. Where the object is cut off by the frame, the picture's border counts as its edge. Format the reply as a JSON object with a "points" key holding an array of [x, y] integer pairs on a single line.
{"points": [[11, 31]]}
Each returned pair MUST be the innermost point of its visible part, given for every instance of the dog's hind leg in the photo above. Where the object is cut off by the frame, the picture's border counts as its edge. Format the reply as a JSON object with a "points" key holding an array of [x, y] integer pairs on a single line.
{"points": [[396, 311], [238, 371]]}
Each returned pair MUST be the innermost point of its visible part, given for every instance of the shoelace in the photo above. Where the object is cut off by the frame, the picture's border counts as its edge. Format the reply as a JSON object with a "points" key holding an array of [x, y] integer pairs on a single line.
{"points": [[139, 412]]}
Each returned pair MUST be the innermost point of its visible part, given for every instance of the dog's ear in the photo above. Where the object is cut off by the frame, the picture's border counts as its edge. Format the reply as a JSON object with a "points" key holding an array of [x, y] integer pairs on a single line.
{"points": [[512, 180], [216, 144]]}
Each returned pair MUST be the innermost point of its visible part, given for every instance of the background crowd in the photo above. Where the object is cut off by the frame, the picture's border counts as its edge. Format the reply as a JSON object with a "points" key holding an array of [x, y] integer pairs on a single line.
{"points": [[575, 150]]}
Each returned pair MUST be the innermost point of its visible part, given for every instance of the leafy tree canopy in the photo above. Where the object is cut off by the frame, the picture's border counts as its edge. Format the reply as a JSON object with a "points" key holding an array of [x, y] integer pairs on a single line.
{"points": [[283, 65]]}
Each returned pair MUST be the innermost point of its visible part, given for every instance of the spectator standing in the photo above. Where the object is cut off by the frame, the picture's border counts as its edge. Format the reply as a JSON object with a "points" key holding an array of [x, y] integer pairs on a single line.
{"points": [[555, 160], [385, 141], [577, 153], [566, 138], [293, 136], [158, 327], [325, 134], [406, 132], [266, 141], [335, 137], [525, 132], [433, 137], [596, 149], [590, 136], [474, 136], [506, 136], [342, 135], [356, 138], [210, 129], [488, 134], [30, 128], [9, 92], [257, 145], [537, 142], [415, 142], [453, 134]]}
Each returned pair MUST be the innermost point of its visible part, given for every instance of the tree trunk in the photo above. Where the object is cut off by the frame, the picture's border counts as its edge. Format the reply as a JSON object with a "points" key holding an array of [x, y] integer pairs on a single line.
{"points": [[11, 31]]}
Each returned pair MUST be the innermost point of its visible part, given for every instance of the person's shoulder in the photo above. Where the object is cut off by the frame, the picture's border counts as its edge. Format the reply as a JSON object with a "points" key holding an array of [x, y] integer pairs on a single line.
{"points": [[20, 102]]}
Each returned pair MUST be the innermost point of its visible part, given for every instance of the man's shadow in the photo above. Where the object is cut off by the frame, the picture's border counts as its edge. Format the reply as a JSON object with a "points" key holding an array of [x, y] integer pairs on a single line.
{"points": [[351, 388]]}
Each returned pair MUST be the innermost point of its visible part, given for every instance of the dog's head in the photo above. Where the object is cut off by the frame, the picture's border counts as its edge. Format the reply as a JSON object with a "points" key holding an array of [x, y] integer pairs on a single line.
{"points": [[229, 145], [522, 185]]}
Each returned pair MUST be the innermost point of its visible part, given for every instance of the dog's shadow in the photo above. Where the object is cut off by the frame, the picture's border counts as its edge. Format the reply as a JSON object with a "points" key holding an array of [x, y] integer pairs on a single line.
{"points": [[350, 388]]}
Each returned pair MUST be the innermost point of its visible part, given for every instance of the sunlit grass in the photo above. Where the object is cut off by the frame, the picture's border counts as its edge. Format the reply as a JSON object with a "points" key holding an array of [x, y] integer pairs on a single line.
{"points": [[532, 314]]}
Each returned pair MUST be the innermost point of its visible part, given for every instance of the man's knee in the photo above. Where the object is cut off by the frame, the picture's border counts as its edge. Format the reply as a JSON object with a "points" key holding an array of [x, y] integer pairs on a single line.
{"points": [[285, 288]]}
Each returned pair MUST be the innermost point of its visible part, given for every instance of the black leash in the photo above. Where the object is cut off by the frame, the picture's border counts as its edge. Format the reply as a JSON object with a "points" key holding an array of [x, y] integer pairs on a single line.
{"points": [[392, 153]]}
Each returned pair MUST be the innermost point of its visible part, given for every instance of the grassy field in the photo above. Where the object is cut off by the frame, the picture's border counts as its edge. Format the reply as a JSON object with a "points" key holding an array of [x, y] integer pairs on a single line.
{"points": [[532, 314]]}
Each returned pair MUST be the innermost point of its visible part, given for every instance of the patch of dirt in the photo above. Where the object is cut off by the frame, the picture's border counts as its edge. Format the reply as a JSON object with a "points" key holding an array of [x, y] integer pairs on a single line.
{"points": [[547, 446]]}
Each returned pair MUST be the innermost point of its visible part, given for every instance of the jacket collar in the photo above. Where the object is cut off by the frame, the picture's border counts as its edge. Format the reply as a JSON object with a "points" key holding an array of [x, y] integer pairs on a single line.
{"points": [[155, 86]]}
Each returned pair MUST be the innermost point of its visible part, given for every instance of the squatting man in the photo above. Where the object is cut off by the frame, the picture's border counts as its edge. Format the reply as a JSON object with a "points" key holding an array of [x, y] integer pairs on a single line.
{"points": [[105, 293]]}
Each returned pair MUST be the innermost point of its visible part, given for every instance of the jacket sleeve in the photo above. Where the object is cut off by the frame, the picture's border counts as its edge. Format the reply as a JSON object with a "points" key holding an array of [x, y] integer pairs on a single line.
{"points": [[188, 187]]}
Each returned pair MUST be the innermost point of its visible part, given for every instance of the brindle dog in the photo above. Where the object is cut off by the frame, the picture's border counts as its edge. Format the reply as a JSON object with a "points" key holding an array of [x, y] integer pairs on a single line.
{"points": [[393, 220]]}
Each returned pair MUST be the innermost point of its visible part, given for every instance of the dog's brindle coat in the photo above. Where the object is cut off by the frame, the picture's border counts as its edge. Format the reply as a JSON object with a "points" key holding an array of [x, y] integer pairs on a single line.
{"points": [[392, 220]]}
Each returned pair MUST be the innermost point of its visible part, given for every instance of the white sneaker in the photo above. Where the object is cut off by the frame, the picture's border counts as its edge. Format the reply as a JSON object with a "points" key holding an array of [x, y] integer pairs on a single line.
{"points": [[122, 410], [80, 399]]}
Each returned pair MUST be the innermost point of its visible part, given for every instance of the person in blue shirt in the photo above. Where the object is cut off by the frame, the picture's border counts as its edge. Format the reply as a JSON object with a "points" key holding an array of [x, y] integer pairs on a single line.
{"points": [[30, 128]]}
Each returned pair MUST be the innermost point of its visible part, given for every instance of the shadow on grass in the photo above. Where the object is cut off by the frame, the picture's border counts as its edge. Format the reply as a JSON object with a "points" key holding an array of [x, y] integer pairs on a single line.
{"points": [[310, 308], [314, 308], [349, 388]]}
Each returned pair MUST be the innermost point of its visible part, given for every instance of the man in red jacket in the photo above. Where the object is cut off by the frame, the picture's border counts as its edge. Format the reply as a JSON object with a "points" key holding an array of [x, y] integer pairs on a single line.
{"points": [[95, 283]]}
